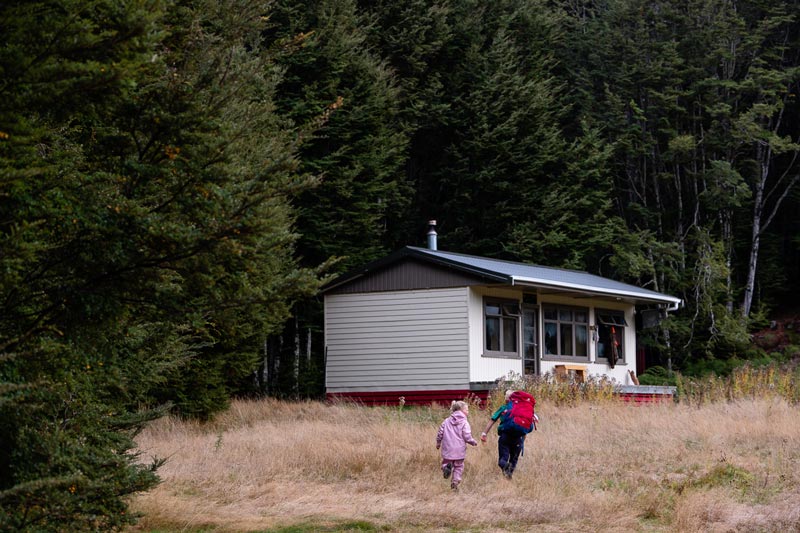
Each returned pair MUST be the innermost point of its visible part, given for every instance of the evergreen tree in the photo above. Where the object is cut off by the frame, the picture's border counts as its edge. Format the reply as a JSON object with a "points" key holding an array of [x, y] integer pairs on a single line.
{"points": [[345, 101], [688, 92], [145, 238], [335, 85], [483, 112]]}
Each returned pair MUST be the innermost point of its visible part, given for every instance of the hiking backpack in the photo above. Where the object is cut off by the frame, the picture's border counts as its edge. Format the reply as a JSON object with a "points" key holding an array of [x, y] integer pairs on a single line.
{"points": [[518, 418]]}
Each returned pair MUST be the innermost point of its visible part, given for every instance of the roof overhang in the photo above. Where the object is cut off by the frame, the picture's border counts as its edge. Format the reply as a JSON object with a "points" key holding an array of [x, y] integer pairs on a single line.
{"points": [[633, 297]]}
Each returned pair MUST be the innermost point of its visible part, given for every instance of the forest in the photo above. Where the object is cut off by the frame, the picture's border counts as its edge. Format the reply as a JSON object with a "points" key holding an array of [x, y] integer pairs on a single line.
{"points": [[178, 178]]}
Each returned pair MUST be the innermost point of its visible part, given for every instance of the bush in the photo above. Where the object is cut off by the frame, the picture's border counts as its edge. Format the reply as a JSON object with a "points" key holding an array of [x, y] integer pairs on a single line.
{"points": [[656, 375]]}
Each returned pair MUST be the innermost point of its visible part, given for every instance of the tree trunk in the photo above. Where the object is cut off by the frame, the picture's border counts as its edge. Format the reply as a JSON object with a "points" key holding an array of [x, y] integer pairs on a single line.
{"points": [[296, 367], [308, 347]]}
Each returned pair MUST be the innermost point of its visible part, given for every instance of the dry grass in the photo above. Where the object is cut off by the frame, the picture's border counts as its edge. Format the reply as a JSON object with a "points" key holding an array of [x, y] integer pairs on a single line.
{"points": [[279, 466]]}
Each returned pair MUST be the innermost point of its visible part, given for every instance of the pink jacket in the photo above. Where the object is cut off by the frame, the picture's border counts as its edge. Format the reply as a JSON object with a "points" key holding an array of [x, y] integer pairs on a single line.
{"points": [[453, 436]]}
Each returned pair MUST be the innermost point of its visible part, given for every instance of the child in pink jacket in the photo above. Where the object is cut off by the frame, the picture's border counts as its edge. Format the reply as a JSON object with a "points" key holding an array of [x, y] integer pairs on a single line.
{"points": [[453, 436]]}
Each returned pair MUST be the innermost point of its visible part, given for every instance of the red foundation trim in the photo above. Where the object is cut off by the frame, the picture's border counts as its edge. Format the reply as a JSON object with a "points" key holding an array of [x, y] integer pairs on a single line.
{"points": [[644, 397], [417, 397]]}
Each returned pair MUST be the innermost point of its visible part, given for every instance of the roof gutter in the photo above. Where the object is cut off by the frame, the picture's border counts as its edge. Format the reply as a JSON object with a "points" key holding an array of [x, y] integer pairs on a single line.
{"points": [[673, 303]]}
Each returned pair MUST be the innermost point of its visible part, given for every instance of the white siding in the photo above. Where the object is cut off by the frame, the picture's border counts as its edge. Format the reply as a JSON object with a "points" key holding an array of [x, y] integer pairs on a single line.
{"points": [[400, 340]]}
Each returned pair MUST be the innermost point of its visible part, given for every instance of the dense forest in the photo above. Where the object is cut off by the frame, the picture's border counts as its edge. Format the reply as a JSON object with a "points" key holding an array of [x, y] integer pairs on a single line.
{"points": [[179, 177]]}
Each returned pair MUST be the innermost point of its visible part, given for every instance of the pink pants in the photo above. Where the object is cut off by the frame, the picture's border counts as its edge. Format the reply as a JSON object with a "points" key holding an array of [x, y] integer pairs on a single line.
{"points": [[458, 468]]}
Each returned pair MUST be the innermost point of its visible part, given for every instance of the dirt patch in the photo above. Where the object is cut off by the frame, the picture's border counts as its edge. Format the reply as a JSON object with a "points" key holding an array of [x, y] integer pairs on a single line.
{"points": [[782, 333]]}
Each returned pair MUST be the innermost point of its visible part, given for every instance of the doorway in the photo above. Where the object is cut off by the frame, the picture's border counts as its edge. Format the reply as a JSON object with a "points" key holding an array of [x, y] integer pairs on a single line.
{"points": [[530, 341]]}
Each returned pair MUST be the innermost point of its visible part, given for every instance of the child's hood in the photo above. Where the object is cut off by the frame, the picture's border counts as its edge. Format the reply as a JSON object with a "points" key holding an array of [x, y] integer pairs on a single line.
{"points": [[457, 418]]}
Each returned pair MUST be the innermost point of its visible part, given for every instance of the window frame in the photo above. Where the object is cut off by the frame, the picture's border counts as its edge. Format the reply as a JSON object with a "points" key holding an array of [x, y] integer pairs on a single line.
{"points": [[558, 308], [607, 318], [510, 310]]}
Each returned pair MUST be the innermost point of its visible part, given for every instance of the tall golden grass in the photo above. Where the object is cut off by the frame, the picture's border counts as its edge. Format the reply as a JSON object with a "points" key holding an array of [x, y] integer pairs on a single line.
{"points": [[595, 466]]}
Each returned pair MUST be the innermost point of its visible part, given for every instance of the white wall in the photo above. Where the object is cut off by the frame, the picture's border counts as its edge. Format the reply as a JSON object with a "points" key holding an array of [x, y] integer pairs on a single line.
{"points": [[491, 368]]}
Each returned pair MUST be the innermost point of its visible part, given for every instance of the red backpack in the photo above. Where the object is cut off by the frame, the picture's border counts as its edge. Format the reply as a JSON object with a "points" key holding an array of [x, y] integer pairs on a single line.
{"points": [[518, 418]]}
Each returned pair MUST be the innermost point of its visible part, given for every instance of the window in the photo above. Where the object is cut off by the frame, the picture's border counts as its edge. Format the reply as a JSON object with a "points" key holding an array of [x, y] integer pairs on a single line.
{"points": [[501, 318], [611, 336], [566, 332]]}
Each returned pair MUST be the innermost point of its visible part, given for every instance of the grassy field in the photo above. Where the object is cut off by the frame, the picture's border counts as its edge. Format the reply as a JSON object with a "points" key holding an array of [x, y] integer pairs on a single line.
{"points": [[726, 466]]}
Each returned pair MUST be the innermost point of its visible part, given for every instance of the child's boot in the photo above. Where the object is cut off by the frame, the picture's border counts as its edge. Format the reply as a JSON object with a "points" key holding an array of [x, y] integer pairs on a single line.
{"points": [[447, 470]]}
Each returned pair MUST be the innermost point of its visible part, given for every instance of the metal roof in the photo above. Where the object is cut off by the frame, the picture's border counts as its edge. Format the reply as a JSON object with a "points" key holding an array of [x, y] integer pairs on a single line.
{"points": [[524, 274]]}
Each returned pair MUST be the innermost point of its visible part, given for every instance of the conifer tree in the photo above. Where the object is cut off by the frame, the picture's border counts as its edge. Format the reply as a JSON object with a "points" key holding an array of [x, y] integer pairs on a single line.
{"points": [[344, 99], [146, 238]]}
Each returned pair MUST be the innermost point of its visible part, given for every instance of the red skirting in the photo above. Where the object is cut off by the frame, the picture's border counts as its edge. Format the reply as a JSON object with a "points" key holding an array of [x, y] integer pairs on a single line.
{"points": [[644, 397], [417, 397]]}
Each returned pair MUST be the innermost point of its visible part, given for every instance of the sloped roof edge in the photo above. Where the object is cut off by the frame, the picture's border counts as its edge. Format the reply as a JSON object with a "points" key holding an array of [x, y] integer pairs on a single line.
{"points": [[514, 273], [412, 252]]}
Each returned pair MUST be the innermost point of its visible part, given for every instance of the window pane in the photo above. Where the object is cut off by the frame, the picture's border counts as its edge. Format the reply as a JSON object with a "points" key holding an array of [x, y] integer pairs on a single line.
{"points": [[550, 314], [529, 322], [530, 335], [493, 334], [530, 351], [492, 309], [566, 339], [617, 332], [603, 340], [565, 315], [550, 338], [580, 316], [581, 345], [509, 335]]}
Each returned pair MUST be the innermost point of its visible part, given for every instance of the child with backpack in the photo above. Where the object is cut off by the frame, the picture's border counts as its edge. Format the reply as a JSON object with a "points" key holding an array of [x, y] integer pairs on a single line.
{"points": [[517, 419], [453, 436]]}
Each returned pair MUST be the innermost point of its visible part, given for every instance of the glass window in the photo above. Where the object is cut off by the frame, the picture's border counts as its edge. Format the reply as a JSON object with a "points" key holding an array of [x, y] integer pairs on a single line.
{"points": [[502, 327], [551, 338], [611, 336], [492, 333], [581, 341], [566, 332]]}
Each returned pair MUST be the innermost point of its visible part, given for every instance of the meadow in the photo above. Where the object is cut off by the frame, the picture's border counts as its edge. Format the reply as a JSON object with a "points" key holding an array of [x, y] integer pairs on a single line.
{"points": [[717, 464]]}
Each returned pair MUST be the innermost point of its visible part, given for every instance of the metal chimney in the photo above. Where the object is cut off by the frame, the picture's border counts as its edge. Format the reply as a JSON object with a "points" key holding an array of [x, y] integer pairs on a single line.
{"points": [[432, 234]]}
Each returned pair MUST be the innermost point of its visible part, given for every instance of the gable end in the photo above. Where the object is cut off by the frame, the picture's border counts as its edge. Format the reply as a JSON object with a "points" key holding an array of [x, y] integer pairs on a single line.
{"points": [[408, 274]]}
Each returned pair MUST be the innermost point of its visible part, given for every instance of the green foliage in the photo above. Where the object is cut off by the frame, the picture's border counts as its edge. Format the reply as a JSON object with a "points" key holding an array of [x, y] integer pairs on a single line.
{"points": [[726, 474], [657, 375], [335, 86], [146, 239]]}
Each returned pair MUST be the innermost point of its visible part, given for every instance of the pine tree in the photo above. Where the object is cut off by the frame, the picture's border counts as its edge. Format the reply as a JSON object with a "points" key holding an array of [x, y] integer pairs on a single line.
{"points": [[146, 239], [344, 99]]}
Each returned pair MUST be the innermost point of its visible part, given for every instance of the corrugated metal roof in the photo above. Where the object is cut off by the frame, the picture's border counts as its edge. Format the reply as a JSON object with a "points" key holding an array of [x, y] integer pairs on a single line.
{"points": [[546, 277], [496, 271]]}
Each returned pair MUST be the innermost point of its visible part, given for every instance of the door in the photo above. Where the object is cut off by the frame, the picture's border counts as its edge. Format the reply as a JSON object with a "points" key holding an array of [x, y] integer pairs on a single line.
{"points": [[530, 341]]}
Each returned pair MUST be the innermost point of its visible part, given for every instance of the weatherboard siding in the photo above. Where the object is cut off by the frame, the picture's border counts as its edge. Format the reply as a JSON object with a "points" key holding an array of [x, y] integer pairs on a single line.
{"points": [[398, 340]]}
